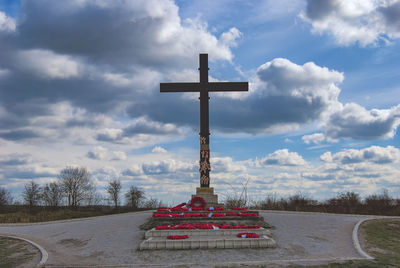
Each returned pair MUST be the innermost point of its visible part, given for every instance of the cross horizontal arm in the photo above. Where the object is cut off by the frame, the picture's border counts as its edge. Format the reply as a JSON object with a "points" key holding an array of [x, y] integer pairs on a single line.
{"points": [[228, 86], [179, 87]]}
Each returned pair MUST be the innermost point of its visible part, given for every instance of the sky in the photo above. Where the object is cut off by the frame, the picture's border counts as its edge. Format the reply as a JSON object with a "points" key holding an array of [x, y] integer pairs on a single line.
{"points": [[79, 86]]}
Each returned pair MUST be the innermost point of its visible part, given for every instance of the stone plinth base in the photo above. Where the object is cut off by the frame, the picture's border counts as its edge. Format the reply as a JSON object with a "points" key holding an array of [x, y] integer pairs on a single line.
{"points": [[207, 242], [208, 195]]}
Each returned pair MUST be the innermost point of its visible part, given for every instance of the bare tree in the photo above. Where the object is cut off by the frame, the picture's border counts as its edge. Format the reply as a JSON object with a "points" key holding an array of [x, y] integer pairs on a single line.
{"points": [[134, 196], [5, 197], [76, 184], [114, 189], [32, 193], [93, 198], [238, 200], [152, 203], [52, 194]]}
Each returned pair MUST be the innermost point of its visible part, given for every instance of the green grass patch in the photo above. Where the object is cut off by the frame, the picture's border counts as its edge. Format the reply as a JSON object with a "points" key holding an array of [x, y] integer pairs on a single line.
{"points": [[14, 252], [382, 239]]}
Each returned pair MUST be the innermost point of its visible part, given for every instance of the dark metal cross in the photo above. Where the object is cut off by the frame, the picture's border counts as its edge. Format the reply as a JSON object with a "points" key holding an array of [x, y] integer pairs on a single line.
{"points": [[204, 87]]}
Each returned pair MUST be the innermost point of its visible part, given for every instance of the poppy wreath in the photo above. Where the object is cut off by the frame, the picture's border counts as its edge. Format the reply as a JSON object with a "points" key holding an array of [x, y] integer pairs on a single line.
{"points": [[247, 235], [203, 226], [174, 237], [198, 199], [216, 208]]}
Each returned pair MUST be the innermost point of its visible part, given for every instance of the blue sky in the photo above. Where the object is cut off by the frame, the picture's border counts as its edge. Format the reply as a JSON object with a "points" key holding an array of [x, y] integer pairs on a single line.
{"points": [[80, 86]]}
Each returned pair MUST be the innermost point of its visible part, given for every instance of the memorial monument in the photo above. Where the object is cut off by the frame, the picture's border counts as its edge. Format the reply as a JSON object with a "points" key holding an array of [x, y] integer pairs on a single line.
{"points": [[205, 225], [204, 191]]}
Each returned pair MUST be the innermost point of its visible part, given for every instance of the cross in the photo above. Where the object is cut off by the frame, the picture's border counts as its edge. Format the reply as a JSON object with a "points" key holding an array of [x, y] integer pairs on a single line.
{"points": [[204, 87]]}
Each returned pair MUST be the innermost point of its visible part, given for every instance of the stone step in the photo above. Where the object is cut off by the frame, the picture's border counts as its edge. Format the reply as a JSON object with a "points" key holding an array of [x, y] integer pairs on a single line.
{"points": [[208, 232], [207, 242]]}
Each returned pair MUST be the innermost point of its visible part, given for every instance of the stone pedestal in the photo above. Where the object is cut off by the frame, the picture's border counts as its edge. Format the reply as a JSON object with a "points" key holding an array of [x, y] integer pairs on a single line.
{"points": [[208, 195]]}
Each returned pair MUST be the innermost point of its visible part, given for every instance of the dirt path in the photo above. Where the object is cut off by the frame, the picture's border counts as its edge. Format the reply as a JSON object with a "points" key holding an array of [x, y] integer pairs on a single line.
{"points": [[113, 240]]}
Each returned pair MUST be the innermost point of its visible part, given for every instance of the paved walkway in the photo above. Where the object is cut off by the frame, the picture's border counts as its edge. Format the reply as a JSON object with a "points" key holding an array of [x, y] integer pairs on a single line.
{"points": [[113, 240]]}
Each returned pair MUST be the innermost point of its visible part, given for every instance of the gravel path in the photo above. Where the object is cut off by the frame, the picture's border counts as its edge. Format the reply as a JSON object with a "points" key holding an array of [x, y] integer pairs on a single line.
{"points": [[113, 240]]}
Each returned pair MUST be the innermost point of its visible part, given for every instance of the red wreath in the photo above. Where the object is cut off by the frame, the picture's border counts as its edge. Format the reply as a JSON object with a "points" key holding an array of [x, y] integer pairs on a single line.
{"points": [[197, 199], [174, 237], [247, 235]]}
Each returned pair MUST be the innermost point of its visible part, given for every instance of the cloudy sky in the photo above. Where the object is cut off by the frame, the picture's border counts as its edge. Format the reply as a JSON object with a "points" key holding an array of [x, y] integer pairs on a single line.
{"points": [[79, 85]]}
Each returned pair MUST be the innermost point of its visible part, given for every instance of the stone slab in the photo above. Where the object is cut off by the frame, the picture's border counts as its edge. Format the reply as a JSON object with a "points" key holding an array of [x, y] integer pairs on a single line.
{"points": [[207, 242], [204, 190]]}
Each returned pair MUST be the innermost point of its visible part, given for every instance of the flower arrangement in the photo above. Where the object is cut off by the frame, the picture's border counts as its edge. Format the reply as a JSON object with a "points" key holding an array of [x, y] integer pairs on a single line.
{"points": [[205, 226], [247, 235], [215, 208], [198, 202], [177, 237], [204, 215], [163, 209]]}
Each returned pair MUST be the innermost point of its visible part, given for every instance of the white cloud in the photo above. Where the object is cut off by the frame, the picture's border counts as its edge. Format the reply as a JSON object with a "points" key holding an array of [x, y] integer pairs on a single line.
{"points": [[164, 37], [118, 155], [326, 157], [289, 94], [373, 154], [283, 77], [7, 24], [354, 121], [142, 131], [98, 153], [229, 38], [315, 138], [101, 153], [143, 79], [143, 125], [109, 134], [48, 64], [351, 21], [159, 150], [135, 170], [226, 165], [15, 159], [168, 166], [282, 158]]}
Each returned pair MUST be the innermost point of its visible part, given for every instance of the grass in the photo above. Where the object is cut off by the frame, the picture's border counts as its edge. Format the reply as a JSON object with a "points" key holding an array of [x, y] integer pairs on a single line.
{"points": [[42, 214], [383, 241], [26, 217], [14, 252]]}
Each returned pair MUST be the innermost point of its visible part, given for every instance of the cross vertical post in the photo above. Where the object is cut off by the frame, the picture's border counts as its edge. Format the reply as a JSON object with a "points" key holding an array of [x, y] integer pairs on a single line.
{"points": [[204, 87], [204, 123]]}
